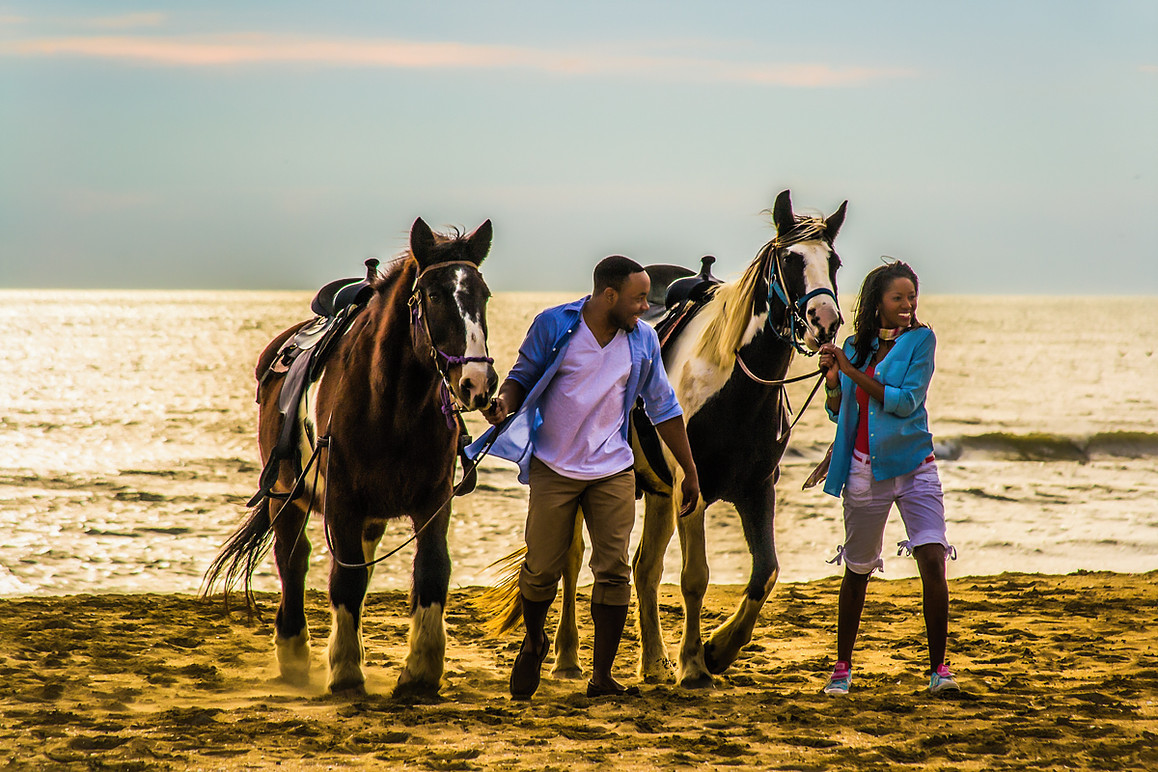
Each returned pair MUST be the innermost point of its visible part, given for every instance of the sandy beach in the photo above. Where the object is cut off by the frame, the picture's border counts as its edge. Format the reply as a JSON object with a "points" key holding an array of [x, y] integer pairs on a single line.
{"points": [[1058, 672]]}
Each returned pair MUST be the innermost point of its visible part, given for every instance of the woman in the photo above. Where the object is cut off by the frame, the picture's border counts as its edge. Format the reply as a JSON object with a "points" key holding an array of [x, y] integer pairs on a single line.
{"points": [[883, 454]]}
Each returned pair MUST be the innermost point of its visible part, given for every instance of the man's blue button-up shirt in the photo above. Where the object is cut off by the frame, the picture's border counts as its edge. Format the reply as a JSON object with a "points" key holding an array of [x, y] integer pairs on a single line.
{"points": [[539, 358]]}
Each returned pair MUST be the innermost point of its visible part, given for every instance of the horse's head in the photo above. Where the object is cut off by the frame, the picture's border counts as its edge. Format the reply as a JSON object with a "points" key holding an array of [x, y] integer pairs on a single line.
{"points": [[452, 306], [800, 273]]}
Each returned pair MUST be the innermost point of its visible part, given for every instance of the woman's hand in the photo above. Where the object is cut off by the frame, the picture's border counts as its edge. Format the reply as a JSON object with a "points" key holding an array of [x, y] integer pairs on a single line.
{"points": [[832, 362]]}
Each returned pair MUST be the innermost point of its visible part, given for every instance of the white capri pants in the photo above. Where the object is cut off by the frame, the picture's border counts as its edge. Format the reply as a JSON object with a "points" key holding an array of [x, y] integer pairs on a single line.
{"points": [[867, 503]]}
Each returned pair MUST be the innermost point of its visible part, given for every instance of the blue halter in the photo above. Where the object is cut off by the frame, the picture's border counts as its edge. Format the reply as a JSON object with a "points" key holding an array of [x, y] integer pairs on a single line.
{"points": [[796, 323]]}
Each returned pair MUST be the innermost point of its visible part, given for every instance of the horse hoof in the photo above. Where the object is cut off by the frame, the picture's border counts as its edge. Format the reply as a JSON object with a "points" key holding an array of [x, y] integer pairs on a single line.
{"points": [[702, 681], [410, 686], [415, 690], [298, 678], [656, 678], [348, 689], [662, 672], [570, 673]]}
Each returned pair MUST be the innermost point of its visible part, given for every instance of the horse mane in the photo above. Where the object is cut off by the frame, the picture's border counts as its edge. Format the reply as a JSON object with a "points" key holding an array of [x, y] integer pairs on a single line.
{"points": [[729, 312], [391, 269]]}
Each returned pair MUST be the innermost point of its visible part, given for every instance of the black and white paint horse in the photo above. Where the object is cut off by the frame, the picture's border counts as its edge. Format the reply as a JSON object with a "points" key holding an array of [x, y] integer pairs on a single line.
{"points": [[377, 423], [746, 333]]}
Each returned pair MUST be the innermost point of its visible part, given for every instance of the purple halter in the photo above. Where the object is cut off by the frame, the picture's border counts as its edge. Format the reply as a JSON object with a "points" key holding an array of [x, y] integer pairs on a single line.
{"points": [[417, 318]]}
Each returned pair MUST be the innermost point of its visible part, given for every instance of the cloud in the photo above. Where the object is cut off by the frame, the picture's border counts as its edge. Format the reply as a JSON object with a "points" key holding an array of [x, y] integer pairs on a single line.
{"points": [[251, 49], [1149, 68], [127, 21]]}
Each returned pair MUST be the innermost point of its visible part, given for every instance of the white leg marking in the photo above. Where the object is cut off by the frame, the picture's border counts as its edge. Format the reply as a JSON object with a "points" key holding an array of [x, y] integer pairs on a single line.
{"points": [[345, 651], [293, 657], [693, 671], [427, 648], [567, 634], [658, 527], [370, 547]]}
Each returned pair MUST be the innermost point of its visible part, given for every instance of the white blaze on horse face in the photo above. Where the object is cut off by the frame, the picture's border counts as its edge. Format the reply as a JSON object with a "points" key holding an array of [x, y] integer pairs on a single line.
{"points": [[822, 313], [474, 377]]}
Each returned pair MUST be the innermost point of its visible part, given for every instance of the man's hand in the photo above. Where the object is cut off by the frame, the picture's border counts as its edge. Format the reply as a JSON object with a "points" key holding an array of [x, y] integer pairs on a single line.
{"points": [[689, 495], [507, 401], [496, 412]]}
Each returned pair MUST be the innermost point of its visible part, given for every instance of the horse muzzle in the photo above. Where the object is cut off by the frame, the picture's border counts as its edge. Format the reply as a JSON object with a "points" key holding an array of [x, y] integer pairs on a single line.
{"points": [[823, 322], [477, 383]]}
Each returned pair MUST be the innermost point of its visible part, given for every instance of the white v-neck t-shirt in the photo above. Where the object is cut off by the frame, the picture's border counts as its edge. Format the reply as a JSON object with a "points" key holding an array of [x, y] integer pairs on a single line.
{"points": [[583, 409]]}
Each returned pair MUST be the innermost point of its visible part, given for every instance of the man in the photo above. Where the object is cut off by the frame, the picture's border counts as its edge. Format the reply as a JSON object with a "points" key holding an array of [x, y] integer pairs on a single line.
{"points": [[579, 373]]}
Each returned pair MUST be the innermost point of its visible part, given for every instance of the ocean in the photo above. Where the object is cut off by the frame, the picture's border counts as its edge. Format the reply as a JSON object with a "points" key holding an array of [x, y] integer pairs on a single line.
{"points": [[127, 443]]}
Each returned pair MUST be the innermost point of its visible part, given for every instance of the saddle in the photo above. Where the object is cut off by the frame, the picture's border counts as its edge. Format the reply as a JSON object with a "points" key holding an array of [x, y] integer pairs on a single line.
{"points": [[300, 361], [677, 294]]}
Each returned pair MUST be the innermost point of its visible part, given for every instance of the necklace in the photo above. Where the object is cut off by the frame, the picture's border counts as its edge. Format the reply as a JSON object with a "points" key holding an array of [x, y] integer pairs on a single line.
{"points": [[891, 334]]}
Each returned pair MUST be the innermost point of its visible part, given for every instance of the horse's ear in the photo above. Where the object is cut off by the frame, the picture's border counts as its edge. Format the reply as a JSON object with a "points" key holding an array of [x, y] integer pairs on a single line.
{"points": [[782, 216], [479, 242], [833, 223], [421, 241]]}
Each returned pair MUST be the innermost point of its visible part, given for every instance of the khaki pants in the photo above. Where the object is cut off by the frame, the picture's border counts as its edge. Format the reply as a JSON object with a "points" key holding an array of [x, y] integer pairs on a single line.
{"points": [[609, 510]]}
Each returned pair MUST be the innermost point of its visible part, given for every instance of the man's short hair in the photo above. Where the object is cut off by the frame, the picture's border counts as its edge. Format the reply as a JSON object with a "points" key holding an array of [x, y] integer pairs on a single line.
{"points": [[613, 271]]}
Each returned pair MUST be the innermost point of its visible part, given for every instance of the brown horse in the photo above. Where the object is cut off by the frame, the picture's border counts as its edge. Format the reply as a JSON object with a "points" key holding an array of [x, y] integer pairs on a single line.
{"points": [[377, 427]]}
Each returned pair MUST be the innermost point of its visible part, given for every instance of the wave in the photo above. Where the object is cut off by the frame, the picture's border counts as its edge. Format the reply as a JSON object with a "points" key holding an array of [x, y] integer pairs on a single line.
{"points": [[1041, 446], [1032, 446]]}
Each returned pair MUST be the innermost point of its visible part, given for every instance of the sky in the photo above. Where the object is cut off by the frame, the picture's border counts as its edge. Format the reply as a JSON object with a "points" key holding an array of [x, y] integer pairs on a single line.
{"points": [[1000, 147]]}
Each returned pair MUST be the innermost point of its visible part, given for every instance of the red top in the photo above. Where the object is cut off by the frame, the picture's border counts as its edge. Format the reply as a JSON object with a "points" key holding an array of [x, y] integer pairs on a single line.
{"points": [[862, 401]]}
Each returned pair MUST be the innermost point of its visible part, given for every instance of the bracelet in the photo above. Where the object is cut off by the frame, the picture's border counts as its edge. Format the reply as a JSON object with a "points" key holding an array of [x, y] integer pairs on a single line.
{"points": [[832, 392]]}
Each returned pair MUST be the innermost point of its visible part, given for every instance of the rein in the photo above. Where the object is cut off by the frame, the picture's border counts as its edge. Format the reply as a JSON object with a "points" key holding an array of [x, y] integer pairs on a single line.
{"points": [[417, 531], [451, 407], [795, 322]]}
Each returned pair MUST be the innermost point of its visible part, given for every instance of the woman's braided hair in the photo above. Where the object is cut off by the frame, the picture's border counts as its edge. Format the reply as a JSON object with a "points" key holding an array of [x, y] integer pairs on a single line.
{"points": [[866, 322]]}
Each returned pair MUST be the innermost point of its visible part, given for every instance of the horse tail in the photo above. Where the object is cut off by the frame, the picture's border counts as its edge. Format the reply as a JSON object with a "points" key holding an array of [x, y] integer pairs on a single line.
{"points": [[241, 555], [502, 603]]}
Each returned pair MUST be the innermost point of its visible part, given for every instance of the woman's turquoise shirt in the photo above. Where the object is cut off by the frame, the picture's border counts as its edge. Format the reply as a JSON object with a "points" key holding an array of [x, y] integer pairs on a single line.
{"points": [[899, 437]]}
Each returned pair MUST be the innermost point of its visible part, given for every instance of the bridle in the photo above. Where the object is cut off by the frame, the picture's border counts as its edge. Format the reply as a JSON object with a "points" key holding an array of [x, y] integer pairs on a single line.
{"points": [[795, 323], [791, 330], [451, 406]]}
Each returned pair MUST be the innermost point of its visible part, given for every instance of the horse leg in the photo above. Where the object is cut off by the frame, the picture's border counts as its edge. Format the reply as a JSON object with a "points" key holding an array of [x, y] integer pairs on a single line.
{"points": [[693, 671], [658, 527], [424, 664], [567, 633], [347, 596], [291, 549], [725, 642]]}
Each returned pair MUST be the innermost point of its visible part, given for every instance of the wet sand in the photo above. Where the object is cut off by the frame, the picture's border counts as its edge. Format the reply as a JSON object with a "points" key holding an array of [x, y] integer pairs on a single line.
{"points": [[1057, 671]]}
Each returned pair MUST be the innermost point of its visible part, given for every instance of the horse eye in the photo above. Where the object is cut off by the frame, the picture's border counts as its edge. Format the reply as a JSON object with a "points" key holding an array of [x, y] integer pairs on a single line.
{"points": [[434, 297]]}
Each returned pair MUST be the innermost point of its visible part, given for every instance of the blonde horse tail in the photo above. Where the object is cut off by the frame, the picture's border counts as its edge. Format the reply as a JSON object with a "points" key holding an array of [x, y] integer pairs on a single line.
{"points": [[502, 603]]}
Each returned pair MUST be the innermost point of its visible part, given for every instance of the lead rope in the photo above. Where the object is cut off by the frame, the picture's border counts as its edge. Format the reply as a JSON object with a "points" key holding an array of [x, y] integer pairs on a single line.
{"points": [[451, 408], [454, 492]]}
